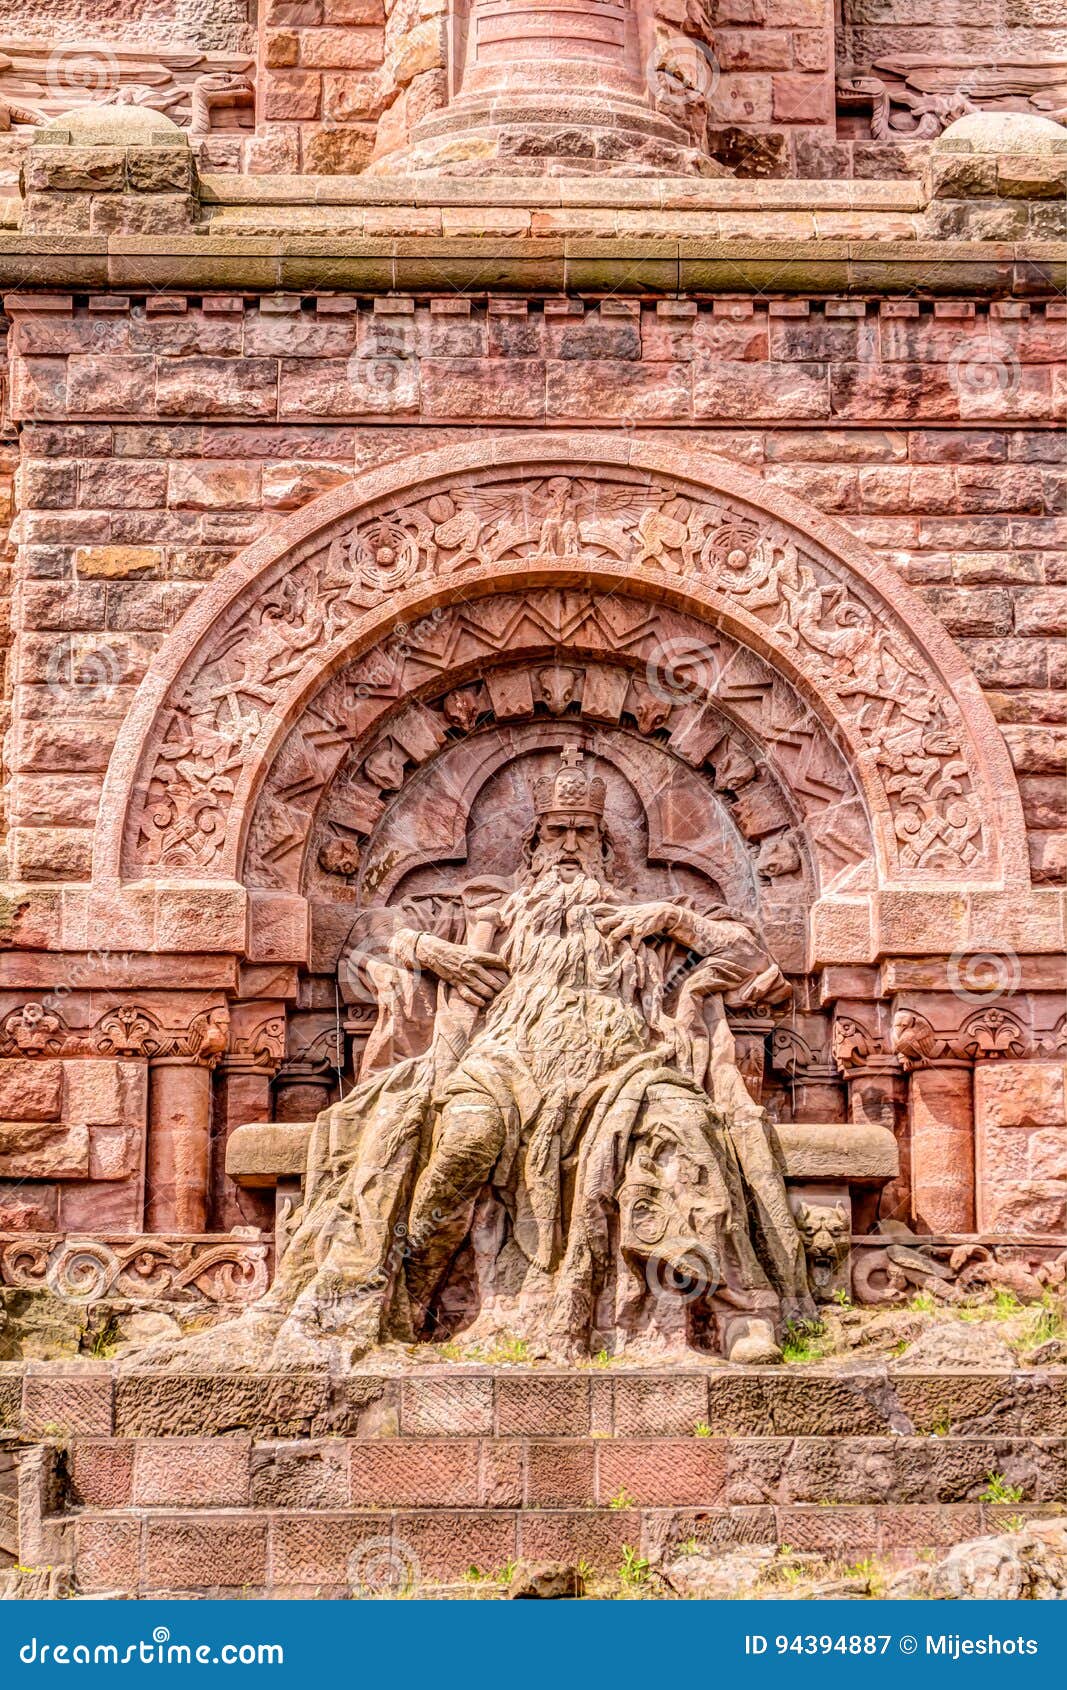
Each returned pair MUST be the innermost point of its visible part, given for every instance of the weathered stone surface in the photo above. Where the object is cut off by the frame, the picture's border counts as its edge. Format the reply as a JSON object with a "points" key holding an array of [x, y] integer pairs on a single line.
{"points": [[545, 1581], [161, 1405], [1026, 1565], [957, 1348]]}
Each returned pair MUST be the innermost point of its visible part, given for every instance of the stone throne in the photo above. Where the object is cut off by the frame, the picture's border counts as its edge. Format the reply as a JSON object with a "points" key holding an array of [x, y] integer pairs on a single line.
{"points": [[463, 818]]}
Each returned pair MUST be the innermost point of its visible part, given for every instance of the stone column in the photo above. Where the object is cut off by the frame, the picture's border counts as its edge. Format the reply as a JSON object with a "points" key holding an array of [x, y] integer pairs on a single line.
{"points": [[816, 1089], [178, 1160], [878, 1094], [818, 1094], [179, 1144], [242, 1094], [302, 1090], [940, 1111], [941, 1106]]}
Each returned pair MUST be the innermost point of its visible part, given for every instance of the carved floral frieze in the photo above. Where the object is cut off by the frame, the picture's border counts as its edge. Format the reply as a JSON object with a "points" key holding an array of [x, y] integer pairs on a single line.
{"points": [[140, 1268], [125, 1032], [986, 1034]]}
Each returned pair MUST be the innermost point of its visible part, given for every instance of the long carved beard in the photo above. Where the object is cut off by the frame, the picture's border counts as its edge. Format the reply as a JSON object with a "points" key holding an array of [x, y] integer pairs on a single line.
{"points": [[548, 909], [544, 901]]}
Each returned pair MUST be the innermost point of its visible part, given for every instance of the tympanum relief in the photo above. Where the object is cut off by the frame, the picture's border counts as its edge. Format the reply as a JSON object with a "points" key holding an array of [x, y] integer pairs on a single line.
{"points": [[846, 647]]}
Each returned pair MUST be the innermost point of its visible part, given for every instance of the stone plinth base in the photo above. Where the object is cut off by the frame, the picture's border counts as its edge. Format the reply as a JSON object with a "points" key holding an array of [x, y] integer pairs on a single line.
{"points": [[290, 1485]]}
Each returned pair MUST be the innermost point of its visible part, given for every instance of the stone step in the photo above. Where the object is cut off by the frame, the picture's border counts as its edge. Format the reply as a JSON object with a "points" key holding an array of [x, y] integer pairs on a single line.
{"points": [[282, 1484], [614, 1473], [93, 1398], [299, 1553]]}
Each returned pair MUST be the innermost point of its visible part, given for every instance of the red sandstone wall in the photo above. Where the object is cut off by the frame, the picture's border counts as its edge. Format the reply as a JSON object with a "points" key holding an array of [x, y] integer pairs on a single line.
{"points": [[986, 31], [218, 25], [166, 436], [337, 78], [160, 437], [775, 93]]}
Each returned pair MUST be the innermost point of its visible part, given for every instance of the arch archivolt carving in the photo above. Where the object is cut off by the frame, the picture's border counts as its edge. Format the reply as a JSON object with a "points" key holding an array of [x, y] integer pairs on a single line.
{"points": [[777, 633], [748, 785]]}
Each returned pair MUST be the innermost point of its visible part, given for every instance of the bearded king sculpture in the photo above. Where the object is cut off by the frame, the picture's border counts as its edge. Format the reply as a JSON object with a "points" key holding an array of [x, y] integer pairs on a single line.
{"points": [[573, 1159]]}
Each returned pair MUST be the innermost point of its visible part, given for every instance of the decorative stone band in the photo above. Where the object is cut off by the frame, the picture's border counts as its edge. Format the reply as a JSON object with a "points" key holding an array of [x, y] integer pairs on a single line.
{"points": [[139, 1267], [988, 1033], [130, 1030]]}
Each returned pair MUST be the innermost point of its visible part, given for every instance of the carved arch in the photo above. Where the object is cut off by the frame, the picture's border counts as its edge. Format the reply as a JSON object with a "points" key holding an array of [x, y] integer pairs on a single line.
{"points": [[487, 518]]}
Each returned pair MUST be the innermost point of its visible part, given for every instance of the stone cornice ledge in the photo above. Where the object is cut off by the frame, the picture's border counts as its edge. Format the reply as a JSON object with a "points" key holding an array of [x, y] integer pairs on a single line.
{"points": [[544, 193], [624, 263]]}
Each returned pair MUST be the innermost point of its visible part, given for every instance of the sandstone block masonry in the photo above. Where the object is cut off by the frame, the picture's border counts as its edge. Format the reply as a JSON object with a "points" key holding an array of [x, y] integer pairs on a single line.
{"points": [[209, 1485]]}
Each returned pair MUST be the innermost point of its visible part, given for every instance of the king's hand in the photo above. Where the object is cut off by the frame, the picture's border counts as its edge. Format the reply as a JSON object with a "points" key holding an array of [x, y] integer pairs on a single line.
{"points": [[641, 921], [476, 975]]}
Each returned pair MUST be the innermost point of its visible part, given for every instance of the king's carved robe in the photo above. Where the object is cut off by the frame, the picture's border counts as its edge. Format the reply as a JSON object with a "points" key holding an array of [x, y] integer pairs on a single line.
{"points": [[587, 1140]]}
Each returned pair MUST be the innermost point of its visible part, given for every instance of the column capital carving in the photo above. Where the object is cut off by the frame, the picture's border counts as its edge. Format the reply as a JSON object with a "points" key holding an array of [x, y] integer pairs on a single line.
{"points": [[201, 1044], [858, 1048], [800, 1058], [986, 1034], [33, 1029], [259, 1050]]}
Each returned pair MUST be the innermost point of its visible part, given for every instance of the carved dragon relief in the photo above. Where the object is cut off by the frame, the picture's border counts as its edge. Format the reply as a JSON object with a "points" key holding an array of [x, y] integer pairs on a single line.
{"points": [[198, 91], [865, 665], [914, 96]]}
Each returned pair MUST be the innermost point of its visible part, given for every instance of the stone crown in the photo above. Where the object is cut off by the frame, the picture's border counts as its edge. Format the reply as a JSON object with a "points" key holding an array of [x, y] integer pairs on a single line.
{"points": [[570, 788]]}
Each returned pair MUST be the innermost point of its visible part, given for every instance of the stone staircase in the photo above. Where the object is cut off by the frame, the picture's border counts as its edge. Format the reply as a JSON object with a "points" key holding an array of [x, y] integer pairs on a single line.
{"points": [[309, 1484]]}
